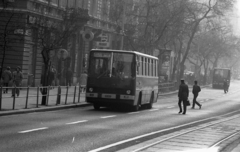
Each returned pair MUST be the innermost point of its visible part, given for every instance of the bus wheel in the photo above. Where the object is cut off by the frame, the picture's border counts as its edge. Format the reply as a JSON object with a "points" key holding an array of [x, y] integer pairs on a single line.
{"points": [[149, 106], [96, 106], [137, 107]]}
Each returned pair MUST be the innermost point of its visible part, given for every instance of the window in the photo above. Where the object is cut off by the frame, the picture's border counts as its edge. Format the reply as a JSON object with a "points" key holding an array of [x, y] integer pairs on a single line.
{"points": [[154, 69], [62, 3], [54, 2], [93, 7], [140, 65], [143, 67], [79, 3], [71, 3], [146, 65]]}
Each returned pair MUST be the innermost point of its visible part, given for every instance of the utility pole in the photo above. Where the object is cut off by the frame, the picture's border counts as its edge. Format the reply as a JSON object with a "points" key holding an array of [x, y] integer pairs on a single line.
{"points": [[123, 22]]}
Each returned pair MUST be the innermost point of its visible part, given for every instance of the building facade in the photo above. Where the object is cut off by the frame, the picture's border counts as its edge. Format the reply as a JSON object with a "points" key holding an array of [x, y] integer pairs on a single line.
{"points": [[20, 46]]}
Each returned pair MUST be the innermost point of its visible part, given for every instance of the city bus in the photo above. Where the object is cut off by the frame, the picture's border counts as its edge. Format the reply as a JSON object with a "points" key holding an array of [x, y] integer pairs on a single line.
{"points": [[219, 74], [117, 77]]}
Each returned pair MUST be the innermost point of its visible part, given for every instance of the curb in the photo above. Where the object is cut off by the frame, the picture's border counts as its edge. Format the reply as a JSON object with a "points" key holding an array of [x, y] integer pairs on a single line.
{"points": [[43, 109]]}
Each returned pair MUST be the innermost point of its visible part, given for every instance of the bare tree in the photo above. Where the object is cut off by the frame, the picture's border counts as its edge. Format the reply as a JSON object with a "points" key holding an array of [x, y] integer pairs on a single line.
{"points": [[12, 31], [53, 34]]}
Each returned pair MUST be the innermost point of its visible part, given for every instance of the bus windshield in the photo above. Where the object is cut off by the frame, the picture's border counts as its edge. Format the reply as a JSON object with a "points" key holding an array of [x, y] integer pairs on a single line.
{"points": [[111, 64]]}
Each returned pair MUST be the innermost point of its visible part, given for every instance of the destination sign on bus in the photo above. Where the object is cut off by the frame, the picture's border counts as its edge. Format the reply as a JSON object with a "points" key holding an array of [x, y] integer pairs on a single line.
{"points": [[102, 55]]}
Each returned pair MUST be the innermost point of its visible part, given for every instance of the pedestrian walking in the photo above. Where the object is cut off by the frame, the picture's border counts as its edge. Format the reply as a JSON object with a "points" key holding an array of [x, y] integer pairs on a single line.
{"points": [[17, 80], [183, 93], [6, 78], [225, 86], [196, 89], [83, 81]]}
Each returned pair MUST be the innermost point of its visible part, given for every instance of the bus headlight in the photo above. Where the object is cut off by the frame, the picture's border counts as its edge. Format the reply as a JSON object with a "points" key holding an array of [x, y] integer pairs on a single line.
{"points": [[91, 89], [128, 91]]}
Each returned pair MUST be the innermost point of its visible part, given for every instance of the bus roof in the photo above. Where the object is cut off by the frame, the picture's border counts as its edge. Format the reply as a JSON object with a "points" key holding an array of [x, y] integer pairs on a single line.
{"points": [[124, 51]]}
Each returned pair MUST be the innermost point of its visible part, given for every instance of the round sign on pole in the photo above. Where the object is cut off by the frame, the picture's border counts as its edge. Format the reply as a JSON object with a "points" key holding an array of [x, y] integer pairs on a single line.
{"points": [[87, 35], [62, 54]]}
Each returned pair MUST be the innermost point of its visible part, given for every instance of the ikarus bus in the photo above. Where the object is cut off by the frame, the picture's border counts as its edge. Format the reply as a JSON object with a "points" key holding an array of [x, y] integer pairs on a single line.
{"points": [[117, 77]]}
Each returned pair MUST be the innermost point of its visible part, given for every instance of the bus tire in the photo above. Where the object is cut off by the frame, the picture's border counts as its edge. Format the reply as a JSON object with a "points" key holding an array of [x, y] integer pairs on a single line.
{"points": [[96, 106], [150, 105], [137, 107]]}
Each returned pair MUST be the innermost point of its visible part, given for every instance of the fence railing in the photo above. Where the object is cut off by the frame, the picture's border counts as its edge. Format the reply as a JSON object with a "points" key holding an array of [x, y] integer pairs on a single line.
{"points": [[31, 97], [167, 87]]}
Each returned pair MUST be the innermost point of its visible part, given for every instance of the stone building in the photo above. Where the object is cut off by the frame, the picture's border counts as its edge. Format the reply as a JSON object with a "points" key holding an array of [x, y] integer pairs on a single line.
{"points": [[19, 45]]}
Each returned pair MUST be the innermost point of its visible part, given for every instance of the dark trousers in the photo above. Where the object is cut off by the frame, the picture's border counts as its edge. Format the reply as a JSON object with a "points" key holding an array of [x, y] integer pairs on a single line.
{"points": [[5, 85], [180, 102], [17, 90], [195, 101]]}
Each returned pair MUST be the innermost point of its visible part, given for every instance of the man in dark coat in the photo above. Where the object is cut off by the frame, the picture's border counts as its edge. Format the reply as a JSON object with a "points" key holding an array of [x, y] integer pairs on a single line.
{"points": [[225, 86], [183, 93], [195, 91]]}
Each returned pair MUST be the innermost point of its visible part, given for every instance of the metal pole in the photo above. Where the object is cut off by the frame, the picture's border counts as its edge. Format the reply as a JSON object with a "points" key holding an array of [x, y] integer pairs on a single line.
{"points": [[48, 94], [122, 42], [14, 97], [1, 97], [27, 97], [74, 93], [79, 91], [66, 95], [37, 96], [58, 96]]}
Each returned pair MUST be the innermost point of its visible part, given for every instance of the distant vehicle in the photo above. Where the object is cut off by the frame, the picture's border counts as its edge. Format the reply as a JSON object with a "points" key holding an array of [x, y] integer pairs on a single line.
{"points": [[219, 74], [117, 77]]}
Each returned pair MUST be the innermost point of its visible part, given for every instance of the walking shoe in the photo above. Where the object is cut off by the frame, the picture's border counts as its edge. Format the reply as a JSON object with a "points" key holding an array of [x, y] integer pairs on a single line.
{"points": [[192, 108], [180, 112], [184, 113], [200, 106]]}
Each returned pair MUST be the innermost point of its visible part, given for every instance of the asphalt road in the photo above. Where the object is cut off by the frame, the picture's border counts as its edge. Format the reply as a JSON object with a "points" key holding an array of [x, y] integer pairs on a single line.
{"points": [[84, 129]]}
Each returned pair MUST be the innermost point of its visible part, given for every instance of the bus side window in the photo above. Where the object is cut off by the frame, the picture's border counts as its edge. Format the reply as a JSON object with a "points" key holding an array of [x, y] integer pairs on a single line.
{"points": [[149, 68], [137, 65], [153, 67], [146, 69], [143, 67], [156, 68], [140, 65]]}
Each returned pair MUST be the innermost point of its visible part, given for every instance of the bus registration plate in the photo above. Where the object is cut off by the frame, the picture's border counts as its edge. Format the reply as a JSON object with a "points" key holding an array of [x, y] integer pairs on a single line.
{"points": [[109, 96], [127, 97], [94, 95]]}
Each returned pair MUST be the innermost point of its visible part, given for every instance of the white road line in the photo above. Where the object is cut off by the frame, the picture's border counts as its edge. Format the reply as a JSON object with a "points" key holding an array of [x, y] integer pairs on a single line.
{"points": [[76, 122], [104, 117], [151, 133], [132, 113], [154, 110], [37, 129], [171, 107]]}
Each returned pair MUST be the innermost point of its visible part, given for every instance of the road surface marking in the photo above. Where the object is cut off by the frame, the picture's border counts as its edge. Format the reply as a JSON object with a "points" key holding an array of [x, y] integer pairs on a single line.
{"points": [[76, 122], [132, 113], [108, 116], [171, 107], [154, 110], [37, 129], [155, 132]]}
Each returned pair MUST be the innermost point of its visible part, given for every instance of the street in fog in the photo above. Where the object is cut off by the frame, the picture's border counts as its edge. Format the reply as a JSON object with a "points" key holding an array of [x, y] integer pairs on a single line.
{"points": [[84, 129]]}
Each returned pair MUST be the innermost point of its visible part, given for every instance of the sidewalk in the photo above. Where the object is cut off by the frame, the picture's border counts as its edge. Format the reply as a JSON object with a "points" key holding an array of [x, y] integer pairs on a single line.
{"points": [[22, 104]]}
